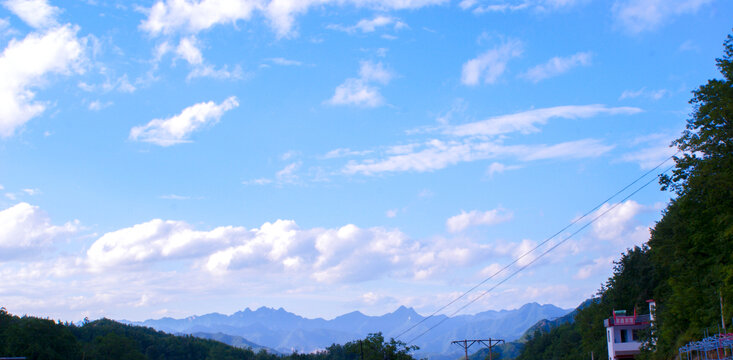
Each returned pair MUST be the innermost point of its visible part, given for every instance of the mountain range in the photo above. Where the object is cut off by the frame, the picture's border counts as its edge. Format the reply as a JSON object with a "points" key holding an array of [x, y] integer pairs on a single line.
{"points": [[286, 332]]}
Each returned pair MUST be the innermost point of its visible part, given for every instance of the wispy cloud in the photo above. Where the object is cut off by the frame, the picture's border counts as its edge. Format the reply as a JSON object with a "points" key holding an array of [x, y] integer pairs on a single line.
{"points": [[363, 91], [176, 129], [526, 122], [643, 92], [636, 16], [556, 66], [437, 154], [490, 65], [371, 25], [167, 17], [285, 62], [473, 142], [465, 220]]}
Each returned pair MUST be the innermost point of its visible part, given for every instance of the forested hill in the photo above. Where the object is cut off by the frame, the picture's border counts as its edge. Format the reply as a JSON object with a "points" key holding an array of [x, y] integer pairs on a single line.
{"points": [[43, 339], [687, 265]]}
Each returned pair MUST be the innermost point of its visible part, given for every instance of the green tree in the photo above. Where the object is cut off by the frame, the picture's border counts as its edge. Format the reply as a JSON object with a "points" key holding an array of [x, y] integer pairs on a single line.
{"points": [[693, 243]]}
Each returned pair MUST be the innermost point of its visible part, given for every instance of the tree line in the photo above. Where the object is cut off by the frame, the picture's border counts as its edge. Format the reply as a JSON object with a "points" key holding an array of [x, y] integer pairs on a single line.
{"points": [[44, 339]]}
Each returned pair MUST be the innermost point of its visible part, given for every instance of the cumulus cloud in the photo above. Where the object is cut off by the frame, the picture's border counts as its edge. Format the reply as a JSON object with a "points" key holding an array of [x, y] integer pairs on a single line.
{"points": [[346, 254], [490, 65], [617, 222], [188, 50], [156, 240], [25, 63], [191, 16], [363, 91], [24, 227], [175, 130], [557, 65], [36, 13], [636, 16], [465, 219]]}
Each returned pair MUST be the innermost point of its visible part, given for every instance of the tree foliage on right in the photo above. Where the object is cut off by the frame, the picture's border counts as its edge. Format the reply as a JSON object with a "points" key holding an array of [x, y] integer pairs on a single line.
{"points": [[687, 265]]}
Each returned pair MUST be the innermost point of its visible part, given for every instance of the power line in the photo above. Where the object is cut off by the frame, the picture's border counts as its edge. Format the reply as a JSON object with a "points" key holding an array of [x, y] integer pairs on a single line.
{"points": [[538, 257], [535, 248]]}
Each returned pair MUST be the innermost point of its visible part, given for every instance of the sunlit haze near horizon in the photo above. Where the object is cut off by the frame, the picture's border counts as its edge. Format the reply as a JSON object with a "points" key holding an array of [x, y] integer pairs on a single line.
{"points": [[182, 157]]}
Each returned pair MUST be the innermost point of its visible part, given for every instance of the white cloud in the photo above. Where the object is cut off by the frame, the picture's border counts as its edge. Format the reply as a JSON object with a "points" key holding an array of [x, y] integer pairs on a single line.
{"points": [[287, 174], [188, 50], [649, 157], [465, 220], [498, 168], [174, 197], [357, 92], [578, 149], [526, 121], [437, 154], [157, 240], [175, 130], [345, 152], [260, 181], [341, 255], [504, 7], [655, 149], [636, 16], [222, 73], [31, 192], [601, 264], [36, 13], [24, 227], [391, 213], [192, 16], [362, 91], [121, 84], [23, 65], [557, 65], [643, 92], [97, 105], [371, 25], [522, 252], [616, 222], [285, 62], [488, 66]]}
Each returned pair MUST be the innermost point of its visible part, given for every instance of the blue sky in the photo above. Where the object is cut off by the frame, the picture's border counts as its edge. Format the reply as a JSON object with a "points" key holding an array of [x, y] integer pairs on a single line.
{"points": [[181, 157]]}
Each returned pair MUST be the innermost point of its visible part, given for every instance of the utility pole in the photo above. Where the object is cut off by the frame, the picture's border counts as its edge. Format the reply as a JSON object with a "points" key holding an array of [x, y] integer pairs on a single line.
{"points": [[722, 317], [489, 343]]}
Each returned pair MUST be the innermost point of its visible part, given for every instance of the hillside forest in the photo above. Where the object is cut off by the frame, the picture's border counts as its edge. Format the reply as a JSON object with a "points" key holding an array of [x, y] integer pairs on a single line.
{"points": [[687, 264]]}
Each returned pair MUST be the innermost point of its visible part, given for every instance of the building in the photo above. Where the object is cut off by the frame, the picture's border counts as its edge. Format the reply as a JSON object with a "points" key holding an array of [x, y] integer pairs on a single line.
{"points": [[622, 332]]}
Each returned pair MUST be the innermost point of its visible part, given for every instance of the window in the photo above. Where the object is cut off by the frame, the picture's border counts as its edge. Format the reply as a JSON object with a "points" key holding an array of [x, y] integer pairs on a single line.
{"points": [[624, 336], [608, 335], [635, 335]]}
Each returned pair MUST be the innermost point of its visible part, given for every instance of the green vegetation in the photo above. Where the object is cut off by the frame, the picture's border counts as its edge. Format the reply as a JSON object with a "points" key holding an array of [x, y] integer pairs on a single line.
{"points": [[42, 339], [687, 265]]}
